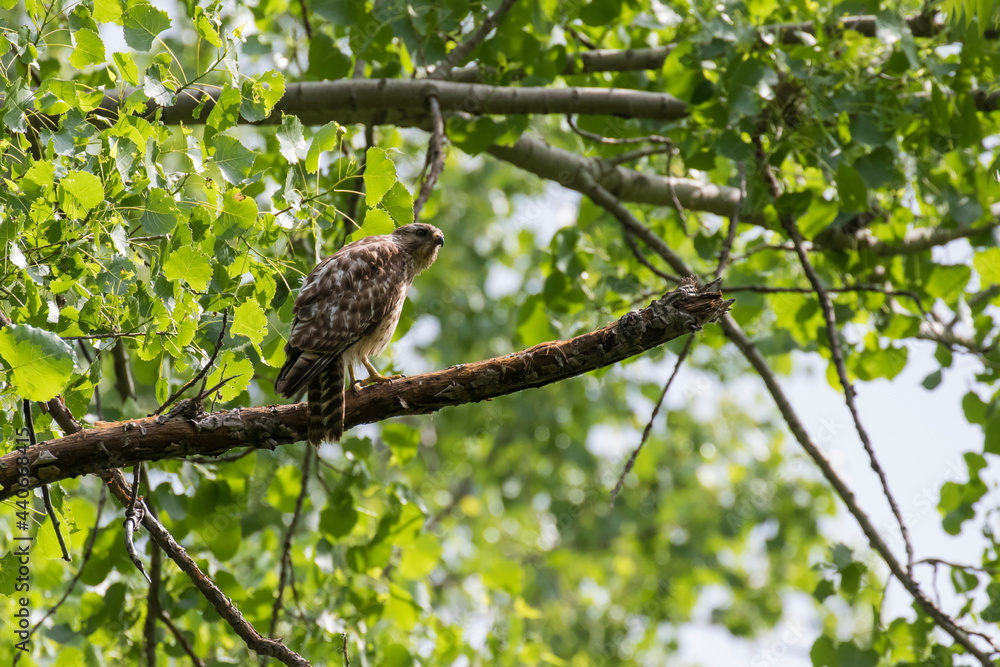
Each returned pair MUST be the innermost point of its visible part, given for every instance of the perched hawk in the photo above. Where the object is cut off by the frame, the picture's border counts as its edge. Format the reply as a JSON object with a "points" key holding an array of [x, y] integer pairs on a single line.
{"points": [[347, 311]]}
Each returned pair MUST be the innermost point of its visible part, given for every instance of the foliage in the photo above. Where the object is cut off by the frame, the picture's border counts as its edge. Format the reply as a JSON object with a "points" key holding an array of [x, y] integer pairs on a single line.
{"points": [[483, 534]]}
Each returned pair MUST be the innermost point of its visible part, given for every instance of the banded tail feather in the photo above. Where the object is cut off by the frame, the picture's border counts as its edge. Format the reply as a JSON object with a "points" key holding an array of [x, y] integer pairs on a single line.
{"points": [[326, 404]]}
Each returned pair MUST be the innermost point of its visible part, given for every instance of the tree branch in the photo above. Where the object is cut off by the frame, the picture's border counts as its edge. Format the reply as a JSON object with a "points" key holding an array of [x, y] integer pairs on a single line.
{"points": [[652, 58], [155, 438], [223, 605], [403, 102], [462, 52], [749, 350]]}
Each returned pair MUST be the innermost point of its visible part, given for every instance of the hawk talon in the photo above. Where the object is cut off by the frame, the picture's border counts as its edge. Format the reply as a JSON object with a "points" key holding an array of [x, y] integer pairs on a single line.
{"points": [[380, 379]]}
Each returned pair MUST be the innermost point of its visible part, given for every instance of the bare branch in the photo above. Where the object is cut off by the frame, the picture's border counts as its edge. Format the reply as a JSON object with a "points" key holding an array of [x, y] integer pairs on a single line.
{"points": [[29, 424], [616, 141], [634, 247], [435, 158], [749, 350], [649, 424], [876, 289], [727, 246], [461, 53], [87, 553], [118, 444], [204, 369], [836, 353], [286, 547], [223, 605], [181, 639], [403, 102]]}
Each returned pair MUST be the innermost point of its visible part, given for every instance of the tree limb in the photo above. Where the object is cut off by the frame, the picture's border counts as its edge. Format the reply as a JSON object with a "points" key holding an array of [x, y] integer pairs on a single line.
{"points": [[155, 438], [462, 52], [403, 102]]}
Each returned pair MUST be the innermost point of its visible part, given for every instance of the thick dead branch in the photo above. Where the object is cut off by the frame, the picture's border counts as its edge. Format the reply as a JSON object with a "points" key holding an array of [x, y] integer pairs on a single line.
{"points": [[155, 438]]}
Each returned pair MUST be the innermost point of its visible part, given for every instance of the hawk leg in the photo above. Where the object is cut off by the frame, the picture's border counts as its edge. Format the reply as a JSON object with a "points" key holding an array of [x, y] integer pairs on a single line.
{"points": [[373, 375]]}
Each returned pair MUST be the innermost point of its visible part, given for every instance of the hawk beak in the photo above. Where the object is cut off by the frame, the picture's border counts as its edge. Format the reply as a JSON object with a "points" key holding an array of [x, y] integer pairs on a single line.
{"points": [[439, 239]]}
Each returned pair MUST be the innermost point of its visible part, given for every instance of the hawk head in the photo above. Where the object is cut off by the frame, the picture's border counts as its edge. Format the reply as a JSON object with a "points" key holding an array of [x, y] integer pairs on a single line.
{"points": [[420, 241]]}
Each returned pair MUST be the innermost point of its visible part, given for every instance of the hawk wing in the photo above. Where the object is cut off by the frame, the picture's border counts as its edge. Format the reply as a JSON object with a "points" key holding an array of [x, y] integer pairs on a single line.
{"points": [[343, 299]]}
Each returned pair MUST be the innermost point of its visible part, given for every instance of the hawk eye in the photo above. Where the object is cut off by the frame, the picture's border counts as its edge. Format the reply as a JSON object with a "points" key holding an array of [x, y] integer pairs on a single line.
{"points": [[421, 233]]}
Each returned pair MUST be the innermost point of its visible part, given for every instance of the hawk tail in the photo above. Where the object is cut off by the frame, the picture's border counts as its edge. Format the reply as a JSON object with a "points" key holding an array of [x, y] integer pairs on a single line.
{"points": [[326, 404]]}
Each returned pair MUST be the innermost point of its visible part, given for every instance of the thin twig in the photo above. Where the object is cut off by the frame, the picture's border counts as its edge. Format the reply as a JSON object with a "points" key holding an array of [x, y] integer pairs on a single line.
{"points": [[642, 259], [652, 417], [347, 659], [225, 458], [836, 354], [637, 154], [204, 370], [876, 289], [727, 246], [133, 516], [354, 196], [732, 331], [286, 547], [617, 141], [181, 639], [460, 53], [305, 20], [87, 553], [153, 609], [435, 157], [46, 497], [673, 195], [224, 606], [958, 566]]}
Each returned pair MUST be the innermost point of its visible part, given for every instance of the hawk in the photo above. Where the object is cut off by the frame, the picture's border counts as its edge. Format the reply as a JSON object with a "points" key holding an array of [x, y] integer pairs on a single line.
{"points": [[347, 311]]}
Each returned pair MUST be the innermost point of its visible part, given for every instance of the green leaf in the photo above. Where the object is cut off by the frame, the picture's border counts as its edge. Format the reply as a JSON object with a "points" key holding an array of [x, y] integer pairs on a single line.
{"points": [[239, 214], [987, 265], [89, 49], [402, 441], [156, 87], [337, 519], [41, 362], [159, 214], [85, 188], [226, 112], [127, 67], [240, 369], [823, 653], [326, 61], [992, 613], [249, 320], [851, 188], [283, 491], [324, 140], [261, 94], [399, 203], [290, 139], [189, 264], [974, 408], [232, 159], [17, 100], [143, 23], [380, 174], [945, 281], [420, 558], [376, 221], [206, 29], [107, 11]]}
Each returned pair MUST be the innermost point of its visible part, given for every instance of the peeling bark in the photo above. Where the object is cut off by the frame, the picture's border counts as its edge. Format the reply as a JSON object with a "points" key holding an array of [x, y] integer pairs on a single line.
{"points": [[186, 431]]}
